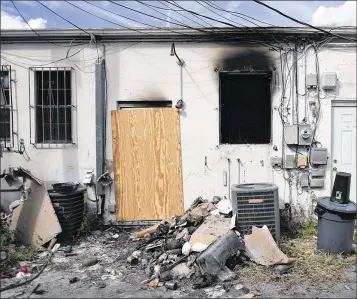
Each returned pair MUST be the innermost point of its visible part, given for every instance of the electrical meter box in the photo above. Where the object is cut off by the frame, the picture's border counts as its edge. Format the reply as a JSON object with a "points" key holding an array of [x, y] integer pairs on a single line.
{"points": [[318, 172], [318, 156], [329, 80], [298, 134], [305, 134]]}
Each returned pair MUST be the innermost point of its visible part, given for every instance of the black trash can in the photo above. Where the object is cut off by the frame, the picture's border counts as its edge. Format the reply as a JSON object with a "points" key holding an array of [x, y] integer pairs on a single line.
{"points": [[335, 225], [68, 203]]}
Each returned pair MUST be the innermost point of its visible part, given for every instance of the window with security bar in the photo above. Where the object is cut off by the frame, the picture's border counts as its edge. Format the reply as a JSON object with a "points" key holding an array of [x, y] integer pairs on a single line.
{"points": [[53, 106], [6, 108]]}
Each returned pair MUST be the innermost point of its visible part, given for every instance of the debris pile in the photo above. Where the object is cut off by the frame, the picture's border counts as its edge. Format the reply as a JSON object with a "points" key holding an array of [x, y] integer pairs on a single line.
{"points": [[202, 245]]}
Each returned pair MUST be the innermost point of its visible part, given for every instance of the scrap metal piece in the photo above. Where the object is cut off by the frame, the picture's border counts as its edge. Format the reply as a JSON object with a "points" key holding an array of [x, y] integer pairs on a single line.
{"points": [[34, 221]]}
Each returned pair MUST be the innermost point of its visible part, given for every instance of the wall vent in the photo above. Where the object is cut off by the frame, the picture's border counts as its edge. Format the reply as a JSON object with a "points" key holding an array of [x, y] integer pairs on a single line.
{"points": [[256, 205]]}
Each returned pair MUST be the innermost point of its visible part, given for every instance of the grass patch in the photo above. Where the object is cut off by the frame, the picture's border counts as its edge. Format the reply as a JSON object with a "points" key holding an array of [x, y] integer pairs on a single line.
{"points": [[322, 270], [14, 254]]}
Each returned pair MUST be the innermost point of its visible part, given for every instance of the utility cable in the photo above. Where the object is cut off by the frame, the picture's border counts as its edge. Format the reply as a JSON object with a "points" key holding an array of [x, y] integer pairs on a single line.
{"points": [[34, 31], [181, 14], [218, 14], [236, 14], [303, 23], [225, 23], [90, 34], [140, 12], [196, 16], [104, 18], [221, 9], [114, 13]]}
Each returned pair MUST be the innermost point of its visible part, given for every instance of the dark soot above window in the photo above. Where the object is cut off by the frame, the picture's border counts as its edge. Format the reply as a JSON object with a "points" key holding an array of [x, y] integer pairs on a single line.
{"points": [[245, 108]]}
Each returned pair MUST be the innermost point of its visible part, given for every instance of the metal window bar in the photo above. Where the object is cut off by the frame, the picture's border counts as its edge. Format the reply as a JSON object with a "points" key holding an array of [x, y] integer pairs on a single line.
{"points": [[53, 107], [6, 108]]}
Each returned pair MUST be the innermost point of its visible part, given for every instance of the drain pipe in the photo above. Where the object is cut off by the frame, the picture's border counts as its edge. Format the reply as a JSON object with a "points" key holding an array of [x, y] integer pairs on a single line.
{"points": [[238, 171], [229, 178]]}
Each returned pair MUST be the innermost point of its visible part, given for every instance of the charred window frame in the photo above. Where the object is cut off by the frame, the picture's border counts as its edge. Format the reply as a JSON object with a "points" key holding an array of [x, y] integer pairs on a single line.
{"points": [[6, 108], [245, 107], [53, 109]]}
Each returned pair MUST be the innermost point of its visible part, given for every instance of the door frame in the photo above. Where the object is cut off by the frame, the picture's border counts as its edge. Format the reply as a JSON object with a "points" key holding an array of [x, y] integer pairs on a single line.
{"points": [[337, 103]]}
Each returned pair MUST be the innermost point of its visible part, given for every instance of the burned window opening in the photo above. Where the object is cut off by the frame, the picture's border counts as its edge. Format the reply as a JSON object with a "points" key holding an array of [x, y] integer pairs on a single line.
{"points": [[245, 108], [6, 120], [53, 105]]}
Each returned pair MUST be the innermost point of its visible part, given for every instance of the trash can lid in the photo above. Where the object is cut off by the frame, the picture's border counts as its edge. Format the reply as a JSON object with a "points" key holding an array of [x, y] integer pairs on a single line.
{"points": [[349, 208]]}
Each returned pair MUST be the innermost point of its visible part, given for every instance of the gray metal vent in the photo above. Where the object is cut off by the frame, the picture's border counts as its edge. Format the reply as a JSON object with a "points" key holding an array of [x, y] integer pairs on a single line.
{"points": [[256, 205]]}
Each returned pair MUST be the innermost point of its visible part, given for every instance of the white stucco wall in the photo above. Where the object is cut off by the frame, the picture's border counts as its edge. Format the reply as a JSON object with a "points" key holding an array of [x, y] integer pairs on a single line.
{"points": [[147, 71]]}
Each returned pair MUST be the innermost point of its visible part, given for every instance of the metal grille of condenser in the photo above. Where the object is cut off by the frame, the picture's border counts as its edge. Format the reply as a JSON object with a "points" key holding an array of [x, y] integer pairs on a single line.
{"points": [[256, 205]]}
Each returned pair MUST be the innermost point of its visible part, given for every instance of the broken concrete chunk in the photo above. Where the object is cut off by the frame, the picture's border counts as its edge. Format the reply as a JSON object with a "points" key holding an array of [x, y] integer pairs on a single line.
{"points": [[165, 276], [90, 261], [226, 275], [136, 254], [214, 258]]}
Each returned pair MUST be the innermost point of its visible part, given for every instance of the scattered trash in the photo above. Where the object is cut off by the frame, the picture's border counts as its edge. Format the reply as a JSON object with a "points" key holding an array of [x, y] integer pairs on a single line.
{"points": [[181, 271], [171, 285], [74, 280], [90, 261], [186, 248], [155, 283], [116, 236], [262, 249], [67, 249], [224, 206], [226, 274], [3, 255], [44, 223], [280, 269], [212, 228], [354, 248], [101, 285], [238, 287], [214, 258]]}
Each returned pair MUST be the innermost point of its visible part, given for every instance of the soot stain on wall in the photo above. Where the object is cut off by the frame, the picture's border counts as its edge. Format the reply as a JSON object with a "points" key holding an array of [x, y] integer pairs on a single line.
{"points": [[245, 60]]}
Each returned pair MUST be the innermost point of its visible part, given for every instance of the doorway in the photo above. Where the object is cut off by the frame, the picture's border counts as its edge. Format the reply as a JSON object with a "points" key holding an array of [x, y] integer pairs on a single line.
{"points": [[344, 142]]}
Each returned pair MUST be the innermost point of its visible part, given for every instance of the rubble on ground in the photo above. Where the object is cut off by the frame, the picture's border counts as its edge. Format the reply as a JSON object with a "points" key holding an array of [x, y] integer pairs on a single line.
{"points": [[202, 246]]}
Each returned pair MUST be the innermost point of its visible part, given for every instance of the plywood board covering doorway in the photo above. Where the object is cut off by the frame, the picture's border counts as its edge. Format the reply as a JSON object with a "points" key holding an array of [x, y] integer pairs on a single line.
{"points": [[147, 163]]}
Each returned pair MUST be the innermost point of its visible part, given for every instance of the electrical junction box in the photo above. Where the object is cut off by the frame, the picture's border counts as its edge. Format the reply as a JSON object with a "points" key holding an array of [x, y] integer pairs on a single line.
{"points": [[291, 134], [311, 80], [88, 178], [111, 208], [305, 134], [290, 162], [276, 161], [318, 172], [304, 180], [329, 80], [302, 161], [318, 156], [317, 183]]}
